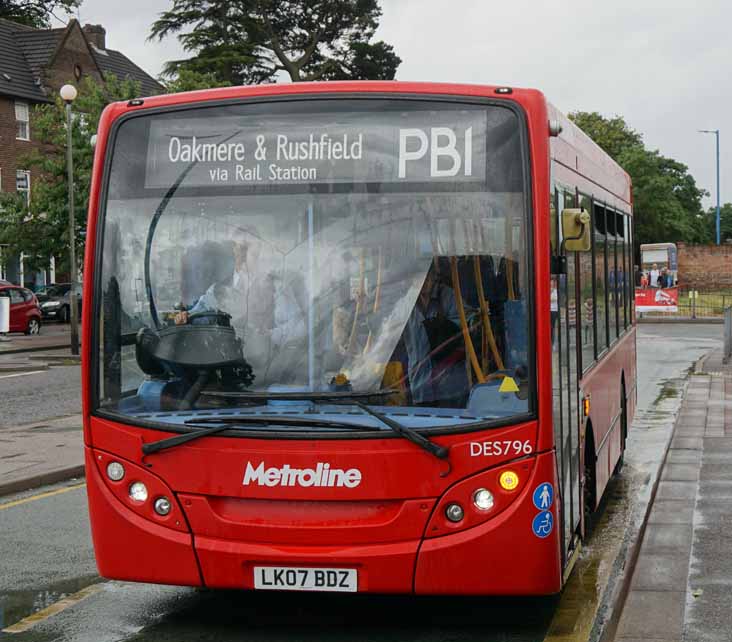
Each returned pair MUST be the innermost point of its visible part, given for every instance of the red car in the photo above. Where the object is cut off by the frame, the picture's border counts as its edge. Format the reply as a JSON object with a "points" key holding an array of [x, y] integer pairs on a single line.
{"points": [[25, 312]]}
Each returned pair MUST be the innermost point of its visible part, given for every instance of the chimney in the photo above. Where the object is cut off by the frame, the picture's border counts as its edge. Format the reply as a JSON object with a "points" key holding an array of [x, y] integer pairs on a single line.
{"points": [[96, 35]]}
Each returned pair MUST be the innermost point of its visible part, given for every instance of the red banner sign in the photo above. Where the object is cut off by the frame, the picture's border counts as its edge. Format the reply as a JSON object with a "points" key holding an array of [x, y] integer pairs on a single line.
{"points": [[656, 299]]}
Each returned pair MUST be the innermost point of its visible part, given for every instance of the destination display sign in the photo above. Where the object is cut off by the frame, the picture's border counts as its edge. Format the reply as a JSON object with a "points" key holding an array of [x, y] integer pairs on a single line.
{"points": [[350, 147]]}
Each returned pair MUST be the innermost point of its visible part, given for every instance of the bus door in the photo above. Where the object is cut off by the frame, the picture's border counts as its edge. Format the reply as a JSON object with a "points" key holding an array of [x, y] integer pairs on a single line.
{"points": [[565, 319]]}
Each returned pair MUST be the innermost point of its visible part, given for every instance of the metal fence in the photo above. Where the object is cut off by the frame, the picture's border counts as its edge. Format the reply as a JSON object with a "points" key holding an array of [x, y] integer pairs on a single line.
{"points": [[727, 334], [698, 304]]}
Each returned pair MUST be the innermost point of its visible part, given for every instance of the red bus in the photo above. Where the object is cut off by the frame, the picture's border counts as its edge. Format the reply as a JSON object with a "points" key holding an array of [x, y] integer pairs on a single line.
{"points": [[359, 336]]}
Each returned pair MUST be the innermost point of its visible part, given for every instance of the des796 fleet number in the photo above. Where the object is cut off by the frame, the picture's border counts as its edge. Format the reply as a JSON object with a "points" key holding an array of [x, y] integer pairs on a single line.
{"points": [[498, 448]]}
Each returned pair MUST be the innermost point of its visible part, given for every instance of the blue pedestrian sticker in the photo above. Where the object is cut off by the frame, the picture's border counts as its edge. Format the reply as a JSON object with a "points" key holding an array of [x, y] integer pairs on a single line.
{"points": [[544, 496], [543, 524]]}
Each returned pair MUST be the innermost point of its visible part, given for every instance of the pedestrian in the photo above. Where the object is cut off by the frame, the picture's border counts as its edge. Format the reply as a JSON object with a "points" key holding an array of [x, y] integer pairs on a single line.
{"points": [[644, 280], [638, 276], [654, 276]]}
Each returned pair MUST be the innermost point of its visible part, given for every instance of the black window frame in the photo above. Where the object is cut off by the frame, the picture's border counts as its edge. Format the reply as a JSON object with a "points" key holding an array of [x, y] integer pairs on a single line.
{"points": [[95, 407]]}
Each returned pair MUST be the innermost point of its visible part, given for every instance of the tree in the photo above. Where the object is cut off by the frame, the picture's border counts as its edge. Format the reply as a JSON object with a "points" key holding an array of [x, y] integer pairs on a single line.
{"points": [[251, 41], [35, 13], [667, 204], [40, 230], [612, 134], [725, 221], [189, 80]]}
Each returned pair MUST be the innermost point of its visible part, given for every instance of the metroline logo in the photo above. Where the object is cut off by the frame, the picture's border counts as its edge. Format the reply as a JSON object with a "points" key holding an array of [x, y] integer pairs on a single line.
{"points": [[322, 475]]}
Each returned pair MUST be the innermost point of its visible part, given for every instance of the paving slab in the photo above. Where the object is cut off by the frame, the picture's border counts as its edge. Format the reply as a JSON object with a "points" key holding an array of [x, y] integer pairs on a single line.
{"points": [[40, 453], [668, 538], [680, 472], [665, 571], [672, 511], [653, 615]]}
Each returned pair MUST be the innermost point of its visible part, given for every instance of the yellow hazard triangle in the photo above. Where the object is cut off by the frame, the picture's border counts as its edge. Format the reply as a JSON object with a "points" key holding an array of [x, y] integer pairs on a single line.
{"points": [[508, 385]]}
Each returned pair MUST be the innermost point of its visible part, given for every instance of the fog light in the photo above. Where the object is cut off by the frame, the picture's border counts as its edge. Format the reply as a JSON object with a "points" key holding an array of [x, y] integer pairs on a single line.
{"points": [[138, 491], [162, 506], [483, 499], [508, 480], [115, 471], [454, 512]]}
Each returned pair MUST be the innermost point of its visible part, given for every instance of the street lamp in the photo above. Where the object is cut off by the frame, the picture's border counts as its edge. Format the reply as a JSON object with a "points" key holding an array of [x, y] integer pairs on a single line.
{"points": [[68, 95], [716, 133]]}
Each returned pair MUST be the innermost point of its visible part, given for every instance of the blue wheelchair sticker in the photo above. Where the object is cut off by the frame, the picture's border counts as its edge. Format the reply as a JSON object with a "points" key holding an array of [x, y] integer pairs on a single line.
{"points": [[543, 524], [544, 496]]}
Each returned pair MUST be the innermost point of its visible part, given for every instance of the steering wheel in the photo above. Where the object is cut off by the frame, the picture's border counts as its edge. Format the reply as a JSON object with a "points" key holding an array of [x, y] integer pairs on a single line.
{"points": [[218, 318]]}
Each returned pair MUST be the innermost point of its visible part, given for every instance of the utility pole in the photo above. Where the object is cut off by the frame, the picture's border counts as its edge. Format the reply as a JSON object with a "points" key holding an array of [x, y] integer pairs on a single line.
{"points": [[716, 133], [68, 95]]}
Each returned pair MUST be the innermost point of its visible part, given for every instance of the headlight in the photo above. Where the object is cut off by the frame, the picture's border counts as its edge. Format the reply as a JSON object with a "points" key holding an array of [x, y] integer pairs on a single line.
{"points": [[483, 499], [454, 512], [115, 471], [51, 304], [138, 492]]}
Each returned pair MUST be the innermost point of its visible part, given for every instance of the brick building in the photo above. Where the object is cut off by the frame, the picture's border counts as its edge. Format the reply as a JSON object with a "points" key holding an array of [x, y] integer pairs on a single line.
{"points": [[34, 64]]}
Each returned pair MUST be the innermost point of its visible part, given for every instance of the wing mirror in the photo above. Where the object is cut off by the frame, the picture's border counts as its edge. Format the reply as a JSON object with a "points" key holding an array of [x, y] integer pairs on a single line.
{"points": [[576, 230]]}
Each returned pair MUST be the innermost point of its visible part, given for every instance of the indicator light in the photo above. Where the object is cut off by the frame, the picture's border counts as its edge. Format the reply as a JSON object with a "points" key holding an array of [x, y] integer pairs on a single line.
{"points": [[586, 406], [138, 491], [454, 512], [115, 470], [162, 506], [508, 480], [483, 499]]}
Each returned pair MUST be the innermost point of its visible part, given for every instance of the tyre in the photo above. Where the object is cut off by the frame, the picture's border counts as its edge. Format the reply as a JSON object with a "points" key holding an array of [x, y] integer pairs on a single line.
{"points": [[623, 430], [34, 326]]}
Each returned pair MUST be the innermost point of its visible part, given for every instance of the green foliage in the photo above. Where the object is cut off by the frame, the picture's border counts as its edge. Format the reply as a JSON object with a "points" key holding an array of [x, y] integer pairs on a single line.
{"points": [[41, 230], [251, 41], [667, 204], [189, 80], [725, 221], [35, 13]]}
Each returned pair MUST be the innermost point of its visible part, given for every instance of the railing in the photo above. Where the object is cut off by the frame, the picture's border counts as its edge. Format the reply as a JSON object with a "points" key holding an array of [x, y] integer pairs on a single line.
{"points": [[727, 334], [698, 304]]}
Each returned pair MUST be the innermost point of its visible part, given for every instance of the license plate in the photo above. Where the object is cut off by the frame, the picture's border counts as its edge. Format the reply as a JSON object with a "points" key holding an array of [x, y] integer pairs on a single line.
{"points": [[288, 578]]}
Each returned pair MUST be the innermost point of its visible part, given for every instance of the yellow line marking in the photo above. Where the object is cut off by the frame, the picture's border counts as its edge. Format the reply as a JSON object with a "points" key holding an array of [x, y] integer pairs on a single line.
{"points": [[33, 498], [56, 607]]}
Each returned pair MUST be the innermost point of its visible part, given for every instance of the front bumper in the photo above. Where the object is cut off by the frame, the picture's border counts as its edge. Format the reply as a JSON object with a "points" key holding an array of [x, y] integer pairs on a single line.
{"points": [[500, 556]]}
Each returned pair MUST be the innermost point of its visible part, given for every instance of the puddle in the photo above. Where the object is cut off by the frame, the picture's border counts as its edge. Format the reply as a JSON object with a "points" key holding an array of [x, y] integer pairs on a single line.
{"points": [[16, 605]]}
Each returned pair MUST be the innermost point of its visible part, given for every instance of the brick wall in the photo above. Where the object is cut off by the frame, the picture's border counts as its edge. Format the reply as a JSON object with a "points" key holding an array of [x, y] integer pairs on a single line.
{"points": [[705, 267], [11, 149]]}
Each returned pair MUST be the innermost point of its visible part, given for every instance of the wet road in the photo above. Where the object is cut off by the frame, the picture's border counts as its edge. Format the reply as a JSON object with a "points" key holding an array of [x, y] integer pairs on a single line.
{"points": [[45, 554]]}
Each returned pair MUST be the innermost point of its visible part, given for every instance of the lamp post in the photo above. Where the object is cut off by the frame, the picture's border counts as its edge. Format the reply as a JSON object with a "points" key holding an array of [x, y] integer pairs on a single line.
{"points": [[68, 95], [716, 133]]}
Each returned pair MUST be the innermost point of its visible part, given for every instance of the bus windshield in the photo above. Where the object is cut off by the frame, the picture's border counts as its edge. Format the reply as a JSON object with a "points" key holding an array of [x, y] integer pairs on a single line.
{"points": [[364, 245]]}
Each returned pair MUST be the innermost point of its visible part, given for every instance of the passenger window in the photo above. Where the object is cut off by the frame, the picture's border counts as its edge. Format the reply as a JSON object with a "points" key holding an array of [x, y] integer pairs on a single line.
{"points": [[600, 247]]}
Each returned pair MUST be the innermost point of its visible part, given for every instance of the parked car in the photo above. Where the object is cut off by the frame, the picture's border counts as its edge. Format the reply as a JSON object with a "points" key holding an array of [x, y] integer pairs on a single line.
{"points": [[54, 300], [25, 312]]}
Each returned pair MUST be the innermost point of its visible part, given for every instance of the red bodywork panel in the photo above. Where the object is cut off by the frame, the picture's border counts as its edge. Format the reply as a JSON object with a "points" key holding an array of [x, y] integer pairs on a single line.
{"points": [[391, 526]]}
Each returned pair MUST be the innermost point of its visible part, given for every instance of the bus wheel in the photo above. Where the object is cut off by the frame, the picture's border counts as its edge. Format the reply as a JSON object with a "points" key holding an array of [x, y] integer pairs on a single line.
{"points": [[623, 430], [590, 477]]}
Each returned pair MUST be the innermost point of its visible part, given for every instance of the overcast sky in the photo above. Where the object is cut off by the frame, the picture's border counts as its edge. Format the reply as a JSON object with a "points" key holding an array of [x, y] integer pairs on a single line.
{"points": [[665, 66]]}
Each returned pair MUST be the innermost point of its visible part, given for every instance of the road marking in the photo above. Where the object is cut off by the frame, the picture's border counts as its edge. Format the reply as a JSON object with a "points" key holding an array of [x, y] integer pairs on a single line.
{"points": [[56, 607], [33, 498], [21, 374]]}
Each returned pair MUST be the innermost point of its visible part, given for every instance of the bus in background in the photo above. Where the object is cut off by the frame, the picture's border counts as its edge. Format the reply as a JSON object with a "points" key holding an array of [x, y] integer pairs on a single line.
{"points": [[359, 336], [663, 256]]}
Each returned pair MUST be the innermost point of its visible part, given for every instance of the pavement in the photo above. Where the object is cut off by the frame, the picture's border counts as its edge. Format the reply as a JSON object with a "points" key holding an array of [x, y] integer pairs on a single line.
{"points": [[52, 336], [680, 583], [40, 453]]}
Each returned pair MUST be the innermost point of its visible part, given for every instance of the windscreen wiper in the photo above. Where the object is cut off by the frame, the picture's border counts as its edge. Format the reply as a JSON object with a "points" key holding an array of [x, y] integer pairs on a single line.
{"points": [[345, 396], [213, 425], [441, 452]]}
